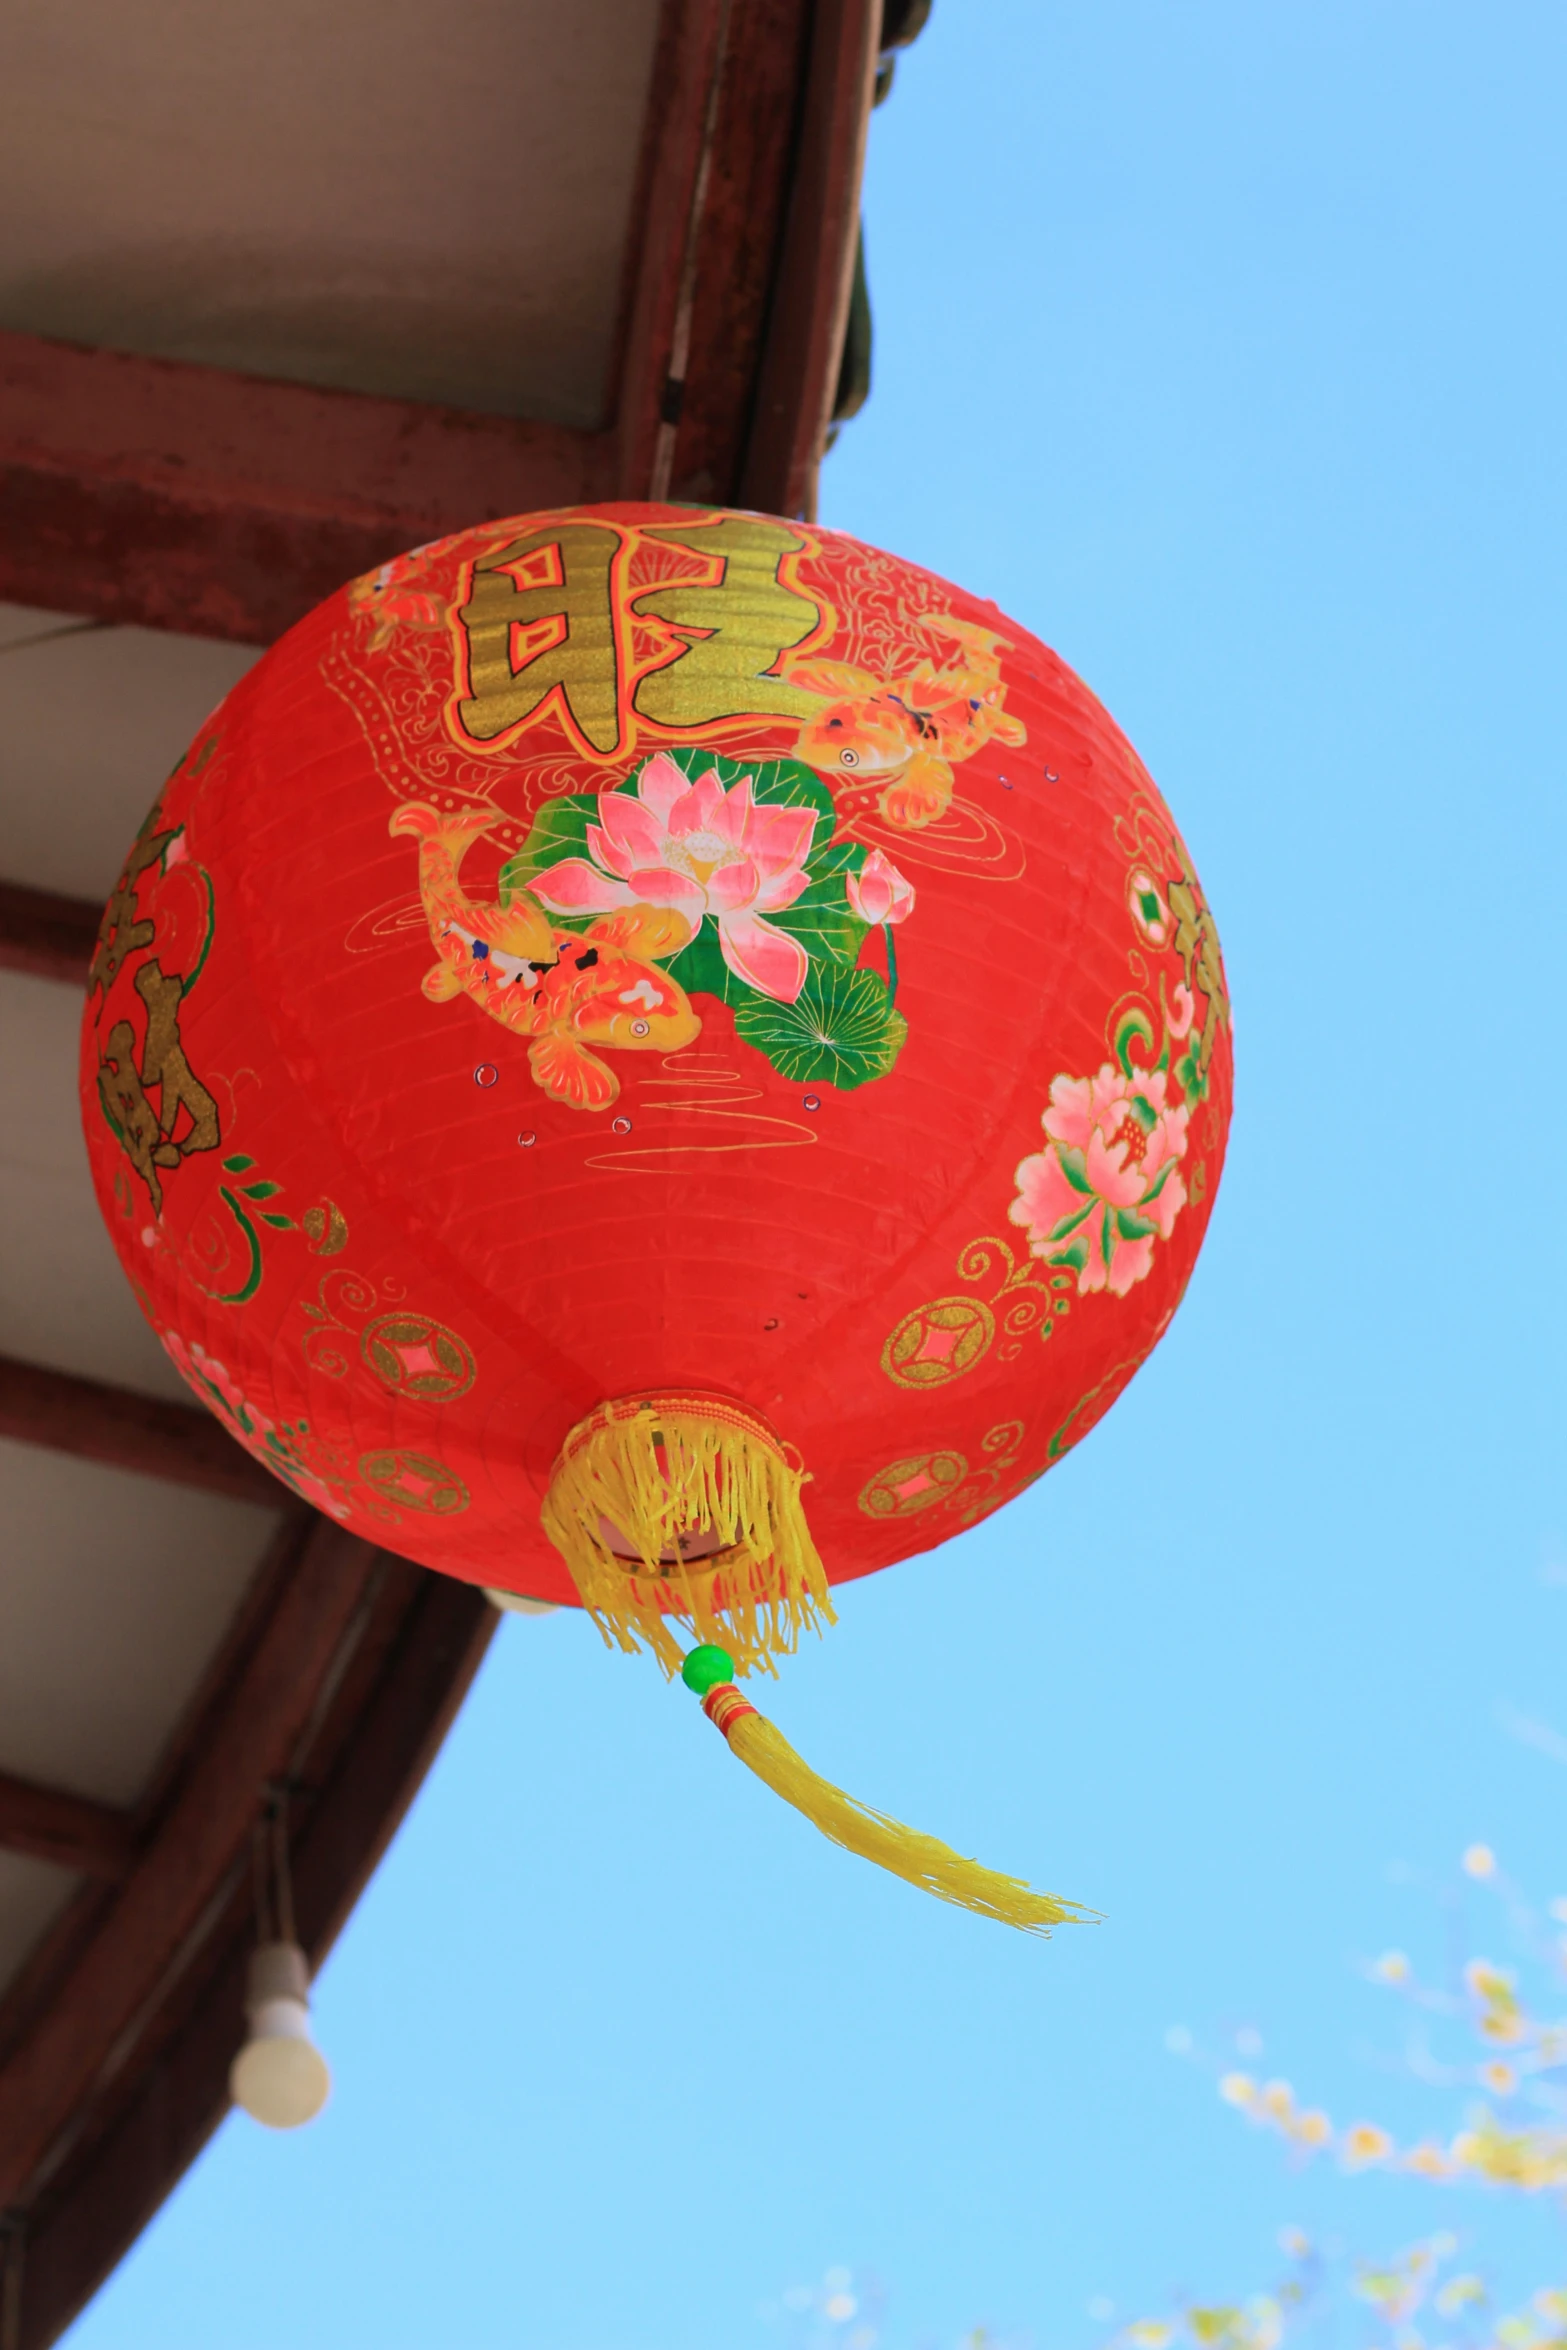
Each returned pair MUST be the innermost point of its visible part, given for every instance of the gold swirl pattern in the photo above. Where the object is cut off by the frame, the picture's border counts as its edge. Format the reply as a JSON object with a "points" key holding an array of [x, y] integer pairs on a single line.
{"points": [[945, 1339], [339, 1294]]}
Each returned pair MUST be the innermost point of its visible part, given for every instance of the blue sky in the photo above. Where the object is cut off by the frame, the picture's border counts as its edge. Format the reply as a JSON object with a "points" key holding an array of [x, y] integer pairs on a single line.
{"points": [[1224, 347]]}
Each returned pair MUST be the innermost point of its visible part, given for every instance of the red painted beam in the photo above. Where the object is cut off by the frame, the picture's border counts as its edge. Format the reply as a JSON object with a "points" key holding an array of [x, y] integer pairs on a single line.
{"points": [[810, 302], [47, 936], [223, 505], [176, 1441], [74, 1833]]}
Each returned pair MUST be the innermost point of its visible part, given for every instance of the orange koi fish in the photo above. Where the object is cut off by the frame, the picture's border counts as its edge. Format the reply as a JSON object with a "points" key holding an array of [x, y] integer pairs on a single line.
{"points": [[906, 734], [387, 593], [567, 990]]}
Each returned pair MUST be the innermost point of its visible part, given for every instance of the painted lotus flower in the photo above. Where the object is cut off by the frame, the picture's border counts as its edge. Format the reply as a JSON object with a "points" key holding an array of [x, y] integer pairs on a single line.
{"points": [[1107, 1185], [879, 892], [705, 851]]}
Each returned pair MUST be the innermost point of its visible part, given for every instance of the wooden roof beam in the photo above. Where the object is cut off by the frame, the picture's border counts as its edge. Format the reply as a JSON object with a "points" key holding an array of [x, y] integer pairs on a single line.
{"points": [[178, 1442], [45, 935], [809, 312], [223, 505], [168, 1904], [45, 1823], [104, 2196]]}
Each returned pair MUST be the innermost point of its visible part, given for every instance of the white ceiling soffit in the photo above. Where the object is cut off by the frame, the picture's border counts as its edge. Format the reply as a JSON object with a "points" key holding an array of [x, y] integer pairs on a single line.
{"points": [[377, 194], [64, 1301], [114, 1595], [92, 720]]}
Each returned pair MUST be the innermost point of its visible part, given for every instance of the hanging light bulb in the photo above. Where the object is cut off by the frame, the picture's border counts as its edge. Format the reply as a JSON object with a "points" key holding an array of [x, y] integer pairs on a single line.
{"points": [[280, 2076]]}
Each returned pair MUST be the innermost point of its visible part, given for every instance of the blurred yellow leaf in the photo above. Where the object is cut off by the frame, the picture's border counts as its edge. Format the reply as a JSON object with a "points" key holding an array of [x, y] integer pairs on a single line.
{"points": [[1363, 2143]]}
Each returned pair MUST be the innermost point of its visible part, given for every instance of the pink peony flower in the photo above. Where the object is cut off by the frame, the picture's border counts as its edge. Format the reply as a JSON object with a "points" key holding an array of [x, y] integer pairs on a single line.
{"points": [[704, 850], [319, 1495], [879, 892], [202, 1370], [1108, 1183], [216, 1375]]}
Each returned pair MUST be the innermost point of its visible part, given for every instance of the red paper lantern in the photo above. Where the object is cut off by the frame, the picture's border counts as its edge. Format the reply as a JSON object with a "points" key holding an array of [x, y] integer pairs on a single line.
{"points": [[663, 959]]}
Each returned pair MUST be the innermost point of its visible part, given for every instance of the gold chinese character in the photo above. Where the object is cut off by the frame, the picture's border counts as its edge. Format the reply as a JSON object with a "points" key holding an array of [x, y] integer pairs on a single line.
{"points": [[119, 933], [147, 1137], [738, 627], [1196, 941], [540, 619]]}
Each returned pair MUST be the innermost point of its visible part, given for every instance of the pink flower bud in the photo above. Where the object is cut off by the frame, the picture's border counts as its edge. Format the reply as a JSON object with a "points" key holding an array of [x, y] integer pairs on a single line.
{"points": [[879, 892]]}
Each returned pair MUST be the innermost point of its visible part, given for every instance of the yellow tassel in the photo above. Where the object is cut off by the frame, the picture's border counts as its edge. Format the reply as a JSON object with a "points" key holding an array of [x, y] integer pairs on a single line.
{"points": [[686, 1508], [920, 1860]]}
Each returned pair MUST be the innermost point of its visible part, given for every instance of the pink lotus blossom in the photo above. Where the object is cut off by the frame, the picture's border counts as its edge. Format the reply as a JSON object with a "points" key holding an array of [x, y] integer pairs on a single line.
{"points": [[879, 892], [1108, 1184], [704, 850]]}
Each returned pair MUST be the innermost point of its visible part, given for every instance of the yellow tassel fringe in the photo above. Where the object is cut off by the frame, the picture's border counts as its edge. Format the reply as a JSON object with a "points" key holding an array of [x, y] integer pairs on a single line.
{"points": [[921, 1860], [657, 1469]]}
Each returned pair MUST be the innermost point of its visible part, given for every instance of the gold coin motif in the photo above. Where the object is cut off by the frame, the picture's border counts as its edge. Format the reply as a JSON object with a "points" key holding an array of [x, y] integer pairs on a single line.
{"points": [[414, 1482], [904, 1488], [939, 1342], [412, 1355]]}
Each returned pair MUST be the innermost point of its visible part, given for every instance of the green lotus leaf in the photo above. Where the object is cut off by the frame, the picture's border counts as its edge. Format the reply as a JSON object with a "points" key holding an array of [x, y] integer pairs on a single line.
{"points": [[842, 1029], [701, 969], [559, 831], [821, 917]]}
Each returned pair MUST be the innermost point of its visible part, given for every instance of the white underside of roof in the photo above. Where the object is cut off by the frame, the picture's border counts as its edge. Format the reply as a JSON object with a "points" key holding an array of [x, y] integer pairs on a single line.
{"points": [[113, 1594], [431, 202], [91, 721]]}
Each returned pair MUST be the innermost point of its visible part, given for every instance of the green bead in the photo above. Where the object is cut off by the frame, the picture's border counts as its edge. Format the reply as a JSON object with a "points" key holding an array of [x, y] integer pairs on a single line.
{"points": [[705, 1668]]}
